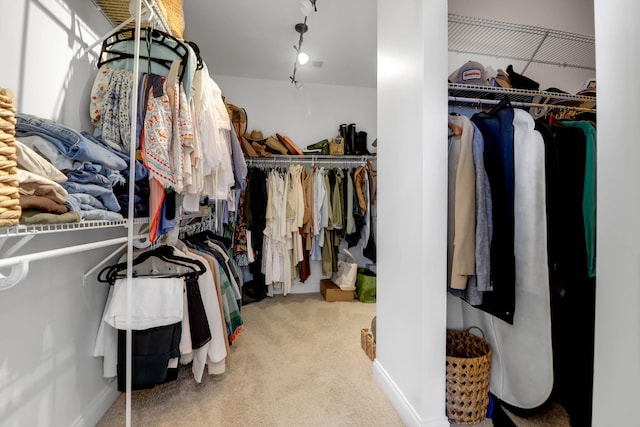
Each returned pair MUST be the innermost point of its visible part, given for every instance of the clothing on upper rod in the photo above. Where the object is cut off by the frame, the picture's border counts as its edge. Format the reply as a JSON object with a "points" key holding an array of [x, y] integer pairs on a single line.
{"points": [[311, 211], [185, 137]]}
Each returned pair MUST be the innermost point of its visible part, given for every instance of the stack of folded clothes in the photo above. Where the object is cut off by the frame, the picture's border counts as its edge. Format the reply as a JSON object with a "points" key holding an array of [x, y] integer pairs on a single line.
{"points": [[79, 169], [121, 189]]}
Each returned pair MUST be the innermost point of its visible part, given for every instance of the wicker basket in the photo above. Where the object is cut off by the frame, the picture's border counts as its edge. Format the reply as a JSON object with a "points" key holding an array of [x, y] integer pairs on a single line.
{"points": [[117, 11], [468, 367], [367, 343], [10, 210]]}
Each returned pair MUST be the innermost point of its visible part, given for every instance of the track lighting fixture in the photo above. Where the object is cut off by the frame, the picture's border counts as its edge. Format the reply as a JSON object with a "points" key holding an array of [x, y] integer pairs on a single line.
{"points": [[301, 57], [306, 6]]}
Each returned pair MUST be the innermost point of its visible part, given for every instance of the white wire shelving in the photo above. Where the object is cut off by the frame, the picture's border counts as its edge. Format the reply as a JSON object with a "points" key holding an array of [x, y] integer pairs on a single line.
{"points": [[519, 42]]}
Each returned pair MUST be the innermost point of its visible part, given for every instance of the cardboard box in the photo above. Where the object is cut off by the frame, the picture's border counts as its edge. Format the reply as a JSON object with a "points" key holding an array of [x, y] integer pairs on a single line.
{"points": [[331, 292]]}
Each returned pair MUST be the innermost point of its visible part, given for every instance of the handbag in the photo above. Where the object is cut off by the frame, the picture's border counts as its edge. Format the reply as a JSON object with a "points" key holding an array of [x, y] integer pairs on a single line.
{"points": [[366, 285], [336, 147], [345, 277]]}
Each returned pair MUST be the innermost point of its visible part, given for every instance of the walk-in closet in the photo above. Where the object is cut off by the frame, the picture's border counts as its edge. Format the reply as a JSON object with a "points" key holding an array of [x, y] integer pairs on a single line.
{"points": [[290, 357]]}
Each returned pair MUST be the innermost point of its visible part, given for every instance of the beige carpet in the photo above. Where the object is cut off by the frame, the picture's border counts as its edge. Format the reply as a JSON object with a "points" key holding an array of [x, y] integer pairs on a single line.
{"points": [[297, 363]]}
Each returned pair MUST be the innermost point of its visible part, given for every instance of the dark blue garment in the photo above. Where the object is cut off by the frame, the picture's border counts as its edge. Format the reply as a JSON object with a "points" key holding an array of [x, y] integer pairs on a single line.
{"points": [[496, 127], [141, 198]]}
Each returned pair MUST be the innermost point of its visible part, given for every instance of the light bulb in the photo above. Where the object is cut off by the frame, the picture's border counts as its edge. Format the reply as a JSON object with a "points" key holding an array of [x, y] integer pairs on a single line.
{"points": [[305, 7], [303, 58]]}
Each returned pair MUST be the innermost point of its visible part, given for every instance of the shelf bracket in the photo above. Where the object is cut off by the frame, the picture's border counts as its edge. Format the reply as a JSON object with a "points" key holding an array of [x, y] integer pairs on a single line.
{"points": [[17, 245], [536, 51], [18, 273]]}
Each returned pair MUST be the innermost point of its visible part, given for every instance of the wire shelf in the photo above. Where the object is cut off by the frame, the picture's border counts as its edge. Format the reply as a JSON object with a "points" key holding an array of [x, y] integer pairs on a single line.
{"points": [[22, 230], [458, 90], [517, 42]]}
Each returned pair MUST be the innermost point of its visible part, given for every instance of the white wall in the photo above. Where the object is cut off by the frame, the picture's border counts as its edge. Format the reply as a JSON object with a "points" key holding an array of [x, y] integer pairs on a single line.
{"points": [[412, 191], [307, 115], [40, 59], [49, 321], [617, 372]]}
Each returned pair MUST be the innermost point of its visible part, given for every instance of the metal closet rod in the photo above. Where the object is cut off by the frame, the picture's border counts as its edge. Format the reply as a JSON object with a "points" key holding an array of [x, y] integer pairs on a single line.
{"points": [[479, 101], [277, 160]]}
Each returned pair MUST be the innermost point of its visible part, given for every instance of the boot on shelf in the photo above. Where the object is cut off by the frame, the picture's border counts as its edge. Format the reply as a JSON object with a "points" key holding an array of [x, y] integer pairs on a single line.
{"points": [[361, 143], [350, 141]]}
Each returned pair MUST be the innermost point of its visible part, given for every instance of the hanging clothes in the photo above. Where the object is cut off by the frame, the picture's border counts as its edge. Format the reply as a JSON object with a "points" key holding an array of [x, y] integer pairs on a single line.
{"points": [[497, 131], [461, 241], [479, 282], [522, 364], [572, 291]]}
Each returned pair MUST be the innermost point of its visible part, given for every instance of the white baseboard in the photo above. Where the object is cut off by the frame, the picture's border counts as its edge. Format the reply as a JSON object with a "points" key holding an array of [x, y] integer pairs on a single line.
{"points": [[403, 407], [93, 413]]}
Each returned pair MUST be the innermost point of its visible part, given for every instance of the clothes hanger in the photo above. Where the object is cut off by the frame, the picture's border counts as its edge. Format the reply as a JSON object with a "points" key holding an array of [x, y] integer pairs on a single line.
{"points": [[112, 51], [163, 253], [196, 49]]}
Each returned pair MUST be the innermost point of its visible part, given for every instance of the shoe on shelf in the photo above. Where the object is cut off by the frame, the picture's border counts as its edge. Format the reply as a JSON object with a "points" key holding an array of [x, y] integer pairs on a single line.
{"points": [[260, 149], [247, 148], [275, 145], [318, 145]]}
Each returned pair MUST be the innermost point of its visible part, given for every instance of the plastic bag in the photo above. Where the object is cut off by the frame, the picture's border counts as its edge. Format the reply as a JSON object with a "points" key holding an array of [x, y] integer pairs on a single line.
{"points": [[366, 285], [345, 277]]}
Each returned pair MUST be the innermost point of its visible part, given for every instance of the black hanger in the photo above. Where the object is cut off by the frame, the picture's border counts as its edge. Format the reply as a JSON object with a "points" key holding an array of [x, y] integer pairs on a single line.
{"points": [[165, 253], [108, 54], [196, 49], [205, 235]]}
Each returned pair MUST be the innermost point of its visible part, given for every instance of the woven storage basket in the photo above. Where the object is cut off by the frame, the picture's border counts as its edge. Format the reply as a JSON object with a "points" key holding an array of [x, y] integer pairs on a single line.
{"points": [[117, 11], [10, 210], [468, 367], [367, 343]]}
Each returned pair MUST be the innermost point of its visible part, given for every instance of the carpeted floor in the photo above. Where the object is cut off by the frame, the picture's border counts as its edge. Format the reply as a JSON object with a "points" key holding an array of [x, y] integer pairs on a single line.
{"points": [[297, 363]]}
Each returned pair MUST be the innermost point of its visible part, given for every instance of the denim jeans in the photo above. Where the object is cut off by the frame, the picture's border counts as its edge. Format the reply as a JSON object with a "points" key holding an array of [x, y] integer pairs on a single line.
{"points": [[68, 141], [100, 214], [76, 202], [83, 177], [141, 171], [105, 195]]}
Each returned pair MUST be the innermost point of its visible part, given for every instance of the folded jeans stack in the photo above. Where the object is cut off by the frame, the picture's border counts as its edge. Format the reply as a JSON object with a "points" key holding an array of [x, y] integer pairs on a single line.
{"points": [[91, 169]]}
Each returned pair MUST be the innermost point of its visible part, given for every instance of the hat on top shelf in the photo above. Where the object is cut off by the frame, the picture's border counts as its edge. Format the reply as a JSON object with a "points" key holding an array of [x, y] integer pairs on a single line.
{"points": [[502, 79], [520, 81], [255, 135], [470, 73]]}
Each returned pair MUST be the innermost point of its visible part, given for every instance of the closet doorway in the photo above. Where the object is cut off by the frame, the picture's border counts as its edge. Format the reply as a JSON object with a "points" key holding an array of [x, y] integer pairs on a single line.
{"points": [[558, 54]]}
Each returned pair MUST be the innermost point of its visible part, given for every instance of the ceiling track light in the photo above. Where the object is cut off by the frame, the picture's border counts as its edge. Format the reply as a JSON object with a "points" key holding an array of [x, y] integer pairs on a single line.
{"points": [[306, 6], [301, 28]]}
